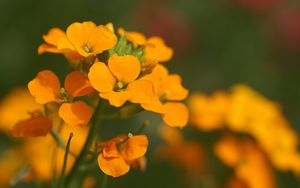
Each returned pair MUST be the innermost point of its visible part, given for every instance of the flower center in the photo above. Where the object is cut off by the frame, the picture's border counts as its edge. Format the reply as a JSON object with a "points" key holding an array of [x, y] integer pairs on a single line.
{"points": [[120, 85], [87, 48]]}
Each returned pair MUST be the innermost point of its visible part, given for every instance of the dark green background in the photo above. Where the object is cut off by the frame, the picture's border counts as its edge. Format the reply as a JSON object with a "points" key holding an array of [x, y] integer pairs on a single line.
{"points": [[226, 44]]}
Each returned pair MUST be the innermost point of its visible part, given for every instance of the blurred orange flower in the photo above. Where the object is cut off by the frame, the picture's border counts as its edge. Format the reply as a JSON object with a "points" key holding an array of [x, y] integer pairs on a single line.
{"points": [[249, 163]]}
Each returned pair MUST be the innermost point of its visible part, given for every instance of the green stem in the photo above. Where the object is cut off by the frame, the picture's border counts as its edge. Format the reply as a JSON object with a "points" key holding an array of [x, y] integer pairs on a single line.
{"points": [[65, 161], [94, 123], [104, 181]]}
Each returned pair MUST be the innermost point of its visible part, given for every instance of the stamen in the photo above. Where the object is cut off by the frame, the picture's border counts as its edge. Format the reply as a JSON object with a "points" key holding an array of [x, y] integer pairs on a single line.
{"points": [[87, 48], [120, 85]]}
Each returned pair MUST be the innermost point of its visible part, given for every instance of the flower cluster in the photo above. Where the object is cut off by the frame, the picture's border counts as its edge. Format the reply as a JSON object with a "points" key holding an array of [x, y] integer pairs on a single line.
{"points": [[245, 111], [122, 72], [251, 166]]}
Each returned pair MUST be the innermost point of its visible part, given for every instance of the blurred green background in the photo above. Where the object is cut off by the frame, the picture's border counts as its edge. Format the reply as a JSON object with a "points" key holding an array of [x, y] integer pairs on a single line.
{"points": [[217, 43]]}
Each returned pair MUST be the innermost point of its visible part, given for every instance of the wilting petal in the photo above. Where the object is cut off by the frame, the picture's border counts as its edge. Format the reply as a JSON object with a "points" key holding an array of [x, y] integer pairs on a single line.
{"points": [[116, 99], [173, 88], [157, 49], [37, 125], [111, 150], [141, 91], [134, 148], [113, 166], [45, 87], [126, 68], [75, 114], [77, 84], [176, 114], [101, 78]]}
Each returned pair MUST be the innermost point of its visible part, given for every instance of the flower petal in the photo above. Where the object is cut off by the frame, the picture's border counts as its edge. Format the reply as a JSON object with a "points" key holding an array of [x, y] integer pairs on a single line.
{"points": [[45, 87], [154, 106], [77, 84], [75, 114], [126, 68], [101, 78], [48, 48], [116, 99], [135, 37], [173, 88], [53, 36], [113, 166], [157, 49], [141, 91], [135, 147], [176, 114], [64, 44], [38, 125], [111, 150], [102, 39]]}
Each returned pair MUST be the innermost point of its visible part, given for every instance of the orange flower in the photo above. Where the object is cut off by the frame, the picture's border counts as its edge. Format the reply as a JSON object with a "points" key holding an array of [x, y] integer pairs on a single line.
{"points": [[188, 155], [117, 81], [51, 43], [118, 154], [44, 156], [248, 161], [15, 107], [168, 88], [36, 125], [208, 112], [10, 163], [87, 39], [45, 87]]}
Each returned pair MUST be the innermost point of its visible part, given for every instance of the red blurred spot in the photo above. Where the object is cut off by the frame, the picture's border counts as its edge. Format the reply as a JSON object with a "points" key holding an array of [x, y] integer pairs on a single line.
{"points": [[158, 19]]}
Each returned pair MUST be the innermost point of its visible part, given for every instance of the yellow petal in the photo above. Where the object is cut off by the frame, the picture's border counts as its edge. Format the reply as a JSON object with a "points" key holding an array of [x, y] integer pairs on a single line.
{"points": [[75, 114], [37, 125], [134, 148], [141, 91], [77, 84], [125, 68], [101, 78], [113, 166], [45, 87], [176, 114], [157, 49], [116, 99]]}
